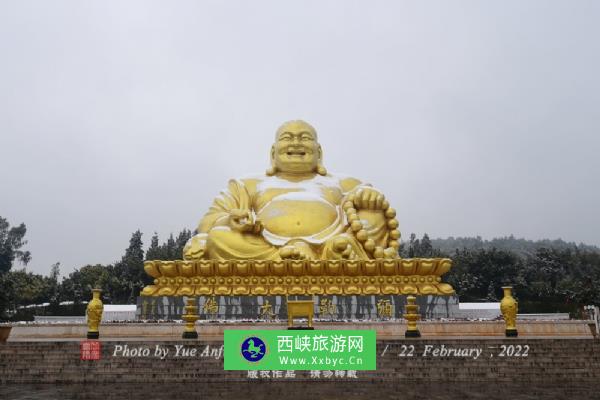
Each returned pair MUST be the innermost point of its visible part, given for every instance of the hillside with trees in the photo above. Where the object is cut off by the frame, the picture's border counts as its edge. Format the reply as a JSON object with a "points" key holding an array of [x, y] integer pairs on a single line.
{"points": [[548, 275], [521, 247]]}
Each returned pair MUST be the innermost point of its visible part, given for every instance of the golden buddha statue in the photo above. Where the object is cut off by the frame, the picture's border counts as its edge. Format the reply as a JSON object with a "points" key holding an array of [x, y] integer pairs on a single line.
{"points": [[297, 230], [297, 210]]}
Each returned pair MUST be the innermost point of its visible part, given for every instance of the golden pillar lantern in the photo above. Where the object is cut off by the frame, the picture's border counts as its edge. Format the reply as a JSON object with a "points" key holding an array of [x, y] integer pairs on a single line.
{"points": [[412, 316], [190, 317], [509, 309], [94, 314]]}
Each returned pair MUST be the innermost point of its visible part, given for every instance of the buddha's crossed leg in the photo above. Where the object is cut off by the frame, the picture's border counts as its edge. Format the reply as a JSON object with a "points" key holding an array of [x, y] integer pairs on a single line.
{"points": [[226, 244]]}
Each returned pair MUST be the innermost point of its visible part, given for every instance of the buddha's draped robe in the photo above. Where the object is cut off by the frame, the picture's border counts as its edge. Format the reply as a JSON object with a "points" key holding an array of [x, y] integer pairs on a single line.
{"points": [[307, 213]]}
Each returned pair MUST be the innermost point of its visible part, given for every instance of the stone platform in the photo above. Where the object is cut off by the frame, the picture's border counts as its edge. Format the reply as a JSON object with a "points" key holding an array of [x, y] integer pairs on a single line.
{"points": [[213, 331], [323, 389]]}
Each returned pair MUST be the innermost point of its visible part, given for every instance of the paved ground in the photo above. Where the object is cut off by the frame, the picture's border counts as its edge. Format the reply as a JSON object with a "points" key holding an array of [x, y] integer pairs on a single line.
{"points": [[304, 391]]}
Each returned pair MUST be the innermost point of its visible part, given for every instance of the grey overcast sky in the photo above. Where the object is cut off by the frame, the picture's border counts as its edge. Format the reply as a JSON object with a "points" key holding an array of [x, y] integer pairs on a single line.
{"points": [[473, 117]]}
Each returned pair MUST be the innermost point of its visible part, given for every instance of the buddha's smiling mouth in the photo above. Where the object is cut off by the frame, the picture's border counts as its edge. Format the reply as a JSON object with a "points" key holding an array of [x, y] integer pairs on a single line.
{"points": [[296, 152]]}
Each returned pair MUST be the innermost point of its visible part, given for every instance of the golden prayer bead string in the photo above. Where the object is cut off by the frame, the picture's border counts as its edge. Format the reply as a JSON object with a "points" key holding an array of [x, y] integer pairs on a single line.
{"points": [[361, 234]]}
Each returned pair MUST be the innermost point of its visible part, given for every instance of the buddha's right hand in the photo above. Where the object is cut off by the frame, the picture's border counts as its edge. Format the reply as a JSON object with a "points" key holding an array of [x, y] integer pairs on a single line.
{"points": [[244, 221]]}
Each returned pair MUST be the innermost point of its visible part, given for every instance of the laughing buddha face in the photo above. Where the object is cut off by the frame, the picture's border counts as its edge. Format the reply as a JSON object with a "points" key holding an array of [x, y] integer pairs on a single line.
{"points": [[296, 150]]}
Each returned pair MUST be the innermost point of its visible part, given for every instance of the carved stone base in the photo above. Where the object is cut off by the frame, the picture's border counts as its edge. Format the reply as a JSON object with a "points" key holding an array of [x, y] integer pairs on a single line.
{"points": [[372, 308]]}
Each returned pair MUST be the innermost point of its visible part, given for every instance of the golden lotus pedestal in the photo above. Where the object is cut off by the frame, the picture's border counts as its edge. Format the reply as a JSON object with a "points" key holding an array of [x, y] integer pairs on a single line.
{"points": [[422, 276]]}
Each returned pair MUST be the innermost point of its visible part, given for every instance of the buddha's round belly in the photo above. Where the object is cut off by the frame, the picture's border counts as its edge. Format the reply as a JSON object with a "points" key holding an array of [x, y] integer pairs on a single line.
{"points": [[297, 218]]}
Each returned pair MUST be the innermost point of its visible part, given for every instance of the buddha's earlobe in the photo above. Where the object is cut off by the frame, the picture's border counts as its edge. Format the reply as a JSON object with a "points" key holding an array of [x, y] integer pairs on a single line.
{"points": [[321, 170], [272, 170]]}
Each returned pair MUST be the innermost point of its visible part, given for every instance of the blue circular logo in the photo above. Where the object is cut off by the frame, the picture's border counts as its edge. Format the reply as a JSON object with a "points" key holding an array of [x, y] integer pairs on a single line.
{"points": [[253, 349]]}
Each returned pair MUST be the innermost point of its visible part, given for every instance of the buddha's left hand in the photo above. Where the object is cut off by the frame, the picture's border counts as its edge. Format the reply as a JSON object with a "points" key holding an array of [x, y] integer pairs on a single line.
{"points": [[369, 199]]}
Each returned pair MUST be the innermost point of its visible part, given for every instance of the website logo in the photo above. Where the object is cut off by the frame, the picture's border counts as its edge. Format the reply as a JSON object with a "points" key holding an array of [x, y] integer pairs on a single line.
{"points": [[253, 349], [305, 350]]}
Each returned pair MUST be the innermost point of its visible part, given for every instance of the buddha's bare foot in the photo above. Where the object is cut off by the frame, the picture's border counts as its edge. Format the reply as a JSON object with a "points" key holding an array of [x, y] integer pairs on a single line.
{"points": [[291, 252], [342, 249], [195, 248]]}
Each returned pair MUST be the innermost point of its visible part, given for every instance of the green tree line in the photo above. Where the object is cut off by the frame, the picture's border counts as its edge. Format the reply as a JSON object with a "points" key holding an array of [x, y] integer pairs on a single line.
{"points": [[548, 276], [121, 282]]}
